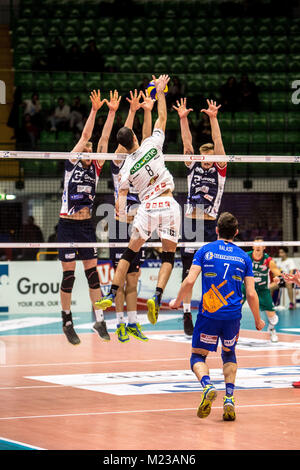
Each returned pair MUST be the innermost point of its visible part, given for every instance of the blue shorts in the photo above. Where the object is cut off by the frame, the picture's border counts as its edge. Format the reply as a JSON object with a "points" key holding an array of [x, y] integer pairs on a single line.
{"points": [[76, 231], [207, 332]]}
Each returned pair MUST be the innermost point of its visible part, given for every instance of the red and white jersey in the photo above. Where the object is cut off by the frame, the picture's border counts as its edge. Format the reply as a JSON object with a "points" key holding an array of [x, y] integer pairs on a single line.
{"points": [[145, 169], [206, 187]]}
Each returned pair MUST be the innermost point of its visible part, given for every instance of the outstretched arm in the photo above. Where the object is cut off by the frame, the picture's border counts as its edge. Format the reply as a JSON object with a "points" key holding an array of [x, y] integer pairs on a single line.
{"points": [[186, 134], [147, 106], [135, 105], [160, 84], [186, 286], [292, 278], [212, 112], [113, 105], [86, 134]]}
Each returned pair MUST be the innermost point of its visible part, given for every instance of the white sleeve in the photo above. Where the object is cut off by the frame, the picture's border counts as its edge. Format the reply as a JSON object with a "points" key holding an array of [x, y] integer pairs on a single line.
{"points": [[124, 178]]}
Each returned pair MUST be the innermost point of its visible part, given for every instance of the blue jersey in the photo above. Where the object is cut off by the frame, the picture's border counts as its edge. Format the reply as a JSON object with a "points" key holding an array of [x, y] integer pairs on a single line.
{"points": [[132, 196], [224, 267]]}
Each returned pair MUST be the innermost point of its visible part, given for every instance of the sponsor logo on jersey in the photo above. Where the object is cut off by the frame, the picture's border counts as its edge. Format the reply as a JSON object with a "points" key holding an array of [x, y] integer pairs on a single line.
{"points": [[143, 161], [210, 274], [209, 255], [236, 278], [153, 180]]}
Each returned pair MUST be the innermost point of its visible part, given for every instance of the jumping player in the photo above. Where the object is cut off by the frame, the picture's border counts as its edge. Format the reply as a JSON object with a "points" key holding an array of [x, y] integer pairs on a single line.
{"points": [[263, 264], [206, 181], [224, 268], [129, 292], [75, 225], [145, 169]]}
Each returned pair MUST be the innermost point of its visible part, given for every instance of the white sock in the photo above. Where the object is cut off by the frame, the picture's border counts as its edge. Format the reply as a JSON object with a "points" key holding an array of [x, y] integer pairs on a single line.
{"points": [[99, 315], [120, 317], [186, 308], [132, 316]]}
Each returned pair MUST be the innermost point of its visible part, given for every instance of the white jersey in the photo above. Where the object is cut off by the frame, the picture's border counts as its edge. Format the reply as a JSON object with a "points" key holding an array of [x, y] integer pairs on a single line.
{"points": [[145, 169]]}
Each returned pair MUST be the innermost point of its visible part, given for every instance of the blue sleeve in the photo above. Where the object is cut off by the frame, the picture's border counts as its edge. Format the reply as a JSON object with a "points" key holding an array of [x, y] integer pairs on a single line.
{"points": [[249, 268], [198, 257]]}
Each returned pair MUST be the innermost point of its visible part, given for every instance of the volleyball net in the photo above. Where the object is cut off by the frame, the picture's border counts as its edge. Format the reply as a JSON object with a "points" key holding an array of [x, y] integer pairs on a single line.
{"points": [[266, 204]]}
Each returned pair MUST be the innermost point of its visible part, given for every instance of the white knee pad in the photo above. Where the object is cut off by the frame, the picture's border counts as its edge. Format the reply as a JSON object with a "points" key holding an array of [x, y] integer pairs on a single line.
{"points": [[273, 320]]}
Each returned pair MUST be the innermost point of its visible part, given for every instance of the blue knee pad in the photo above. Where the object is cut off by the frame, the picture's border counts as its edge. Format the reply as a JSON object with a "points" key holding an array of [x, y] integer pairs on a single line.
{"points": [[196, 358], [228, 356]]}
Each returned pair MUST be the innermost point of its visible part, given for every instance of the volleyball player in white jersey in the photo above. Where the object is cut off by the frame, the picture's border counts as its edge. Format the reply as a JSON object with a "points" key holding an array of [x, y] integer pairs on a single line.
{"points": [[145, 169], [75, 224], [129, 293], [206, 181]]}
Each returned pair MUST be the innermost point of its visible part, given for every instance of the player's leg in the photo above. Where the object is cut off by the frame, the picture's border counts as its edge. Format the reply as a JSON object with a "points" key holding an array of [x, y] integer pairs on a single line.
{"points": [[290, 290], [205, 339], [133, 328], [92, 276], [266, 305], [139, 236], [66, 288], [229, 338], [167, 263], [167, 223], [188, 327]]}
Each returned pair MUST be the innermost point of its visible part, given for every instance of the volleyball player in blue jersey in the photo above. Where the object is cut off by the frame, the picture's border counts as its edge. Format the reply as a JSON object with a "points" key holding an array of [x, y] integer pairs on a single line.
{"points": [[225, 267], [75, 224]]}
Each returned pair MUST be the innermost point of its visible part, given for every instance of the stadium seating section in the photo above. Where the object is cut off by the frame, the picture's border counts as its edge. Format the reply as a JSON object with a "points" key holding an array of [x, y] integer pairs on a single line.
{"points": [[181, 41]]}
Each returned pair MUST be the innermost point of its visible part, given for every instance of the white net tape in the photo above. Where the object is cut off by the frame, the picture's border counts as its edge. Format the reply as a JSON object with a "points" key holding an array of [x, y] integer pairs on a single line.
{"points": [[5, 154], [147, 245]]}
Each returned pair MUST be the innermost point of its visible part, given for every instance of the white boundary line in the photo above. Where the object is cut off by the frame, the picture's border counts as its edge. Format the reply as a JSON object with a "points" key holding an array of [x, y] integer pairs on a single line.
{"points": [[162, 410], [29, 446]]}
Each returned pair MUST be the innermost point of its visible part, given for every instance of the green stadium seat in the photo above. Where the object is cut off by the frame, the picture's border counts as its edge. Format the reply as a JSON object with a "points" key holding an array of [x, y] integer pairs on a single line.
{"points": [[241, 137], [277, 137], [226, 122], [260, 137], [292, 137], [47, 137], [293, 121], [259, 122], [242, 121]]}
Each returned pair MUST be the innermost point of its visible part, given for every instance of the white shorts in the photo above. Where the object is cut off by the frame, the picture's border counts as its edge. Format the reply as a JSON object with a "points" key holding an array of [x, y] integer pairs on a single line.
{"points": [[163, 215]]}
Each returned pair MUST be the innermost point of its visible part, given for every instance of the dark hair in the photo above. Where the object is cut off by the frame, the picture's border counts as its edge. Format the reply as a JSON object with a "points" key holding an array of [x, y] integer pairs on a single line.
{"points": [[125, 137], [284, 248], [227, 225], [258, 238]]}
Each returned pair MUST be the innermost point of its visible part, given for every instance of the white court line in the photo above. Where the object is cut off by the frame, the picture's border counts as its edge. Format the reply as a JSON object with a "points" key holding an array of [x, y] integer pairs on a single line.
{"points": [[162, 410], [29, 446], [125, 361]]}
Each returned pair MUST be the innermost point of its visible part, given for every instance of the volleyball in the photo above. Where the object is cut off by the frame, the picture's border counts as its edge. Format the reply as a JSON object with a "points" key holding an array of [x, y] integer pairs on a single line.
{"points": [[151, 90]]}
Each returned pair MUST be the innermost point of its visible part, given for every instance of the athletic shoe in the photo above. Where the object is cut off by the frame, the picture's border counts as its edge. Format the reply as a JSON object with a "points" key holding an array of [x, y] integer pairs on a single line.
{"points": [[122, 333], [229, 413], [100, 328], [296, 384], [153, 309], [71, 334], [208, 396], [188, 326], [273, 335], [105, 302], [135, 330], [291, 306]]}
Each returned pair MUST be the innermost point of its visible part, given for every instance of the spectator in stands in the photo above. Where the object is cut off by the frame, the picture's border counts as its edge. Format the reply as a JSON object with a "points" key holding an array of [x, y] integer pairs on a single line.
{"points": [[92, 59], [74, 58], [248, 95], [229, 93], [56, 56], [61, 117], [13, 119], [287, 266], [29, 133], [77, 115], [33, 108], [31, 232]]}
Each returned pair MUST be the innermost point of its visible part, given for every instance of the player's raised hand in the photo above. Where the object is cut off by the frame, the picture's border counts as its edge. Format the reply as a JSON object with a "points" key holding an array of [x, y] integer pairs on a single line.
{"points": [[212, 109], [161, 82], [114, 101], [148, 102], [95, 98], [182, 109], [134, 100]]}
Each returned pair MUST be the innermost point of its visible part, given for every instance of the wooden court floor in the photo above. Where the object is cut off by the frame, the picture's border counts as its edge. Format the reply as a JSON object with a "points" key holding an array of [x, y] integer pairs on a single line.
{"points": [[114, 396]]}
